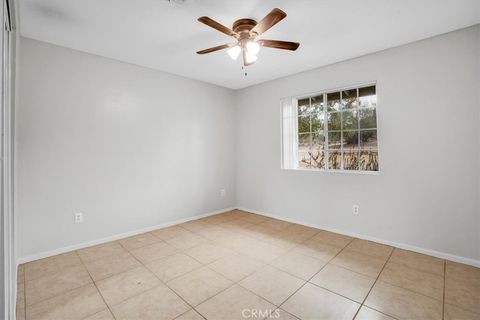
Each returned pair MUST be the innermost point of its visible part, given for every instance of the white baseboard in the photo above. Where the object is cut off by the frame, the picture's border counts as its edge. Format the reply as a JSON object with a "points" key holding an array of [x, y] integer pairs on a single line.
{"points": [[438, 254], [82, 245]]}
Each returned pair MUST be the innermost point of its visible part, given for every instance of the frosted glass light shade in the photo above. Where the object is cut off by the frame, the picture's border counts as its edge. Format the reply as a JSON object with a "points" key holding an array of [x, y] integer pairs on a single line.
{"points": [[253, 47], [250, 57], [233, 52]]}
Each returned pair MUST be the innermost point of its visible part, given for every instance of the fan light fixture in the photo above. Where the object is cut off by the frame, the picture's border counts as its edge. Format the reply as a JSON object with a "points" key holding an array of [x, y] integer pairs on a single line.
{"points": [[246, 32], [234, 52], [250, 57], [251, 49]]}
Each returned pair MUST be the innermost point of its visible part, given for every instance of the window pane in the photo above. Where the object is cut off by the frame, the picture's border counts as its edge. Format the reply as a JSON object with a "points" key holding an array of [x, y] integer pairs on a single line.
{"points": [[369, 160], [318, 121], [318, 159], [317, 99], [350, 120], [303, 107], [317, 104], [334, 160], [318, 140], [304, 111], [303, 124], [303, 102], [368, 102], [304, 159], [316, 108], [350, 139], [334, 140], [368, 139], [317, 151], [367, 91], [350, 160], [368, 118], [304, 140], [333, 101], [349, 99], [334, 119], [304, 150]]}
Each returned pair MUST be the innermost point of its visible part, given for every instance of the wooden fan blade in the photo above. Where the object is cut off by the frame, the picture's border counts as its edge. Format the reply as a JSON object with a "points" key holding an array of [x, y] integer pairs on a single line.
{"points": [[269, 21], [277, 44], [217, 26], [220, 47]]}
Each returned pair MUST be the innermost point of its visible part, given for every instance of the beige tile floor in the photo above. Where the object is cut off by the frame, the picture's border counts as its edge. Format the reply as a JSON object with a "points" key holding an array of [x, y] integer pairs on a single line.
{"points": [[239, 265]]}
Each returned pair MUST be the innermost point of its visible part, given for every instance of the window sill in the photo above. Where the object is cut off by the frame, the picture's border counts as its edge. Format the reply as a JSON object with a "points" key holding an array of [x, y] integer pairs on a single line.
{"points": [[354, 172]]}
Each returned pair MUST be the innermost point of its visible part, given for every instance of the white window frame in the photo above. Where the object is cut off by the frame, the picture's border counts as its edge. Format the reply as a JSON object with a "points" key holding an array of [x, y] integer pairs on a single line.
{"points": [[287, 164]]}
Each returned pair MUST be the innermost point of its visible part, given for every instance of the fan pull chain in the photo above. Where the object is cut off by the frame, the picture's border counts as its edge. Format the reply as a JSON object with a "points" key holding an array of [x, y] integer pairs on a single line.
{"points": [[245, 71]]}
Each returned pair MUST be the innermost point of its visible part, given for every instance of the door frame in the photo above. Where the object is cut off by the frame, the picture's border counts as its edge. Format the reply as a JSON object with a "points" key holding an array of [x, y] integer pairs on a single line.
{"points": [[9, 266]]}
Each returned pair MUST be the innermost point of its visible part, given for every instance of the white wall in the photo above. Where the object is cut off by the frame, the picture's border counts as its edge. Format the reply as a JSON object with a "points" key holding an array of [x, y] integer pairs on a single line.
{"points": [[427, 194], [132, 148], [127, 146]]}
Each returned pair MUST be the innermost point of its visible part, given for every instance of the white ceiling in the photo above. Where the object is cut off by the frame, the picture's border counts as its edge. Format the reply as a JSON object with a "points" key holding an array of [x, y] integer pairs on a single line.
{"points": [[165, 36]]}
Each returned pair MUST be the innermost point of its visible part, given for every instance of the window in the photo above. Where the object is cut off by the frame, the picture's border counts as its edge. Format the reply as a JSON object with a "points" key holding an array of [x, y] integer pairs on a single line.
{"points": [[331, 131]]}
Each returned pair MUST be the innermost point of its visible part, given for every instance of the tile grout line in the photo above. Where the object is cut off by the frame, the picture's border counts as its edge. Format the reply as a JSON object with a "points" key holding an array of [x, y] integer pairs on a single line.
{"points": [[269, 264], [353, 238], [194, 310], [161, 282], [391, 284], [115, 274], [95, 284], [417, 269], [414, 268], [176, 277], [312, 257], [235, 251], [63, 292], [374, 283], [308, 281], [228, 287], [233, 283], [66, 291], [109, 256], [165, 283], [194, 307], [238, 281]]}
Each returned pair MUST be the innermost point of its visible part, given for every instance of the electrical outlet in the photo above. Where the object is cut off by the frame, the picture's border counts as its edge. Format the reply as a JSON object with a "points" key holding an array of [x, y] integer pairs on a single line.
{"points": [[355, 209], [223, 192], [78, 217]]}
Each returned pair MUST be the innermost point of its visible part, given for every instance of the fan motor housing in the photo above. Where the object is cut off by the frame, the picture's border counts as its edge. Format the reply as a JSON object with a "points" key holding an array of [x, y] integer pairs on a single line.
{"points": [[243, 27]]}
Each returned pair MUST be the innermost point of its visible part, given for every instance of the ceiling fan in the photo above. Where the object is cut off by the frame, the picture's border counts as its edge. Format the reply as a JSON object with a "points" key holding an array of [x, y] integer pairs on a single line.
{"points": [[245, 31]]}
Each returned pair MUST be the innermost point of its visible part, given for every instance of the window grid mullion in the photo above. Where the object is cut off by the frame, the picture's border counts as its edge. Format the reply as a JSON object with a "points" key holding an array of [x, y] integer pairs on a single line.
{"points": [[325, 129], [341, 130], [358, 126], [310, 130]]}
